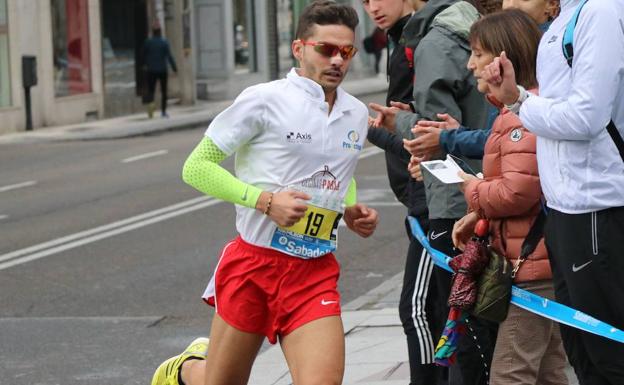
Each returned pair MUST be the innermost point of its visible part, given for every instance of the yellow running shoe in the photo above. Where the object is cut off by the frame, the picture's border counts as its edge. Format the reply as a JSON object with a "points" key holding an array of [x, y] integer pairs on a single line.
{"points": [[167, 372]]}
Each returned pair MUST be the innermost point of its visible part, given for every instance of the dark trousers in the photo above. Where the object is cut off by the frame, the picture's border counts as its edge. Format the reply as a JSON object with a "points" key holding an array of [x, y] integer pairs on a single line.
{"points": [[377, 59], [586, 254], [152, 78], [422, 308]]}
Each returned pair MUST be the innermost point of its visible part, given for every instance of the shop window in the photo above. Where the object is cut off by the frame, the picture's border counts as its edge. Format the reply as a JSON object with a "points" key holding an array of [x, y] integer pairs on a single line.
{"points": [[70, 39], [5, 71], [285, 35], [244, 36]]}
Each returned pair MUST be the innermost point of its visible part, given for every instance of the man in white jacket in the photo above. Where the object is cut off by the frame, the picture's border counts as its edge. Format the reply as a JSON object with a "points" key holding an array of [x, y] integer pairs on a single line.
{"points": [[581, 165]]}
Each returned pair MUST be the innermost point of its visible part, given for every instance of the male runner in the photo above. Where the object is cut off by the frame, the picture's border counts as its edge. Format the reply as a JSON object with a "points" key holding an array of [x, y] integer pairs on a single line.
{"points": [[297, 142]]}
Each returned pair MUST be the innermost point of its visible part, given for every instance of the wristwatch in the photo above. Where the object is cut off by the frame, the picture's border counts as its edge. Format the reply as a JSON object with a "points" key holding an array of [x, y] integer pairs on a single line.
{"points": [[515, 107]]}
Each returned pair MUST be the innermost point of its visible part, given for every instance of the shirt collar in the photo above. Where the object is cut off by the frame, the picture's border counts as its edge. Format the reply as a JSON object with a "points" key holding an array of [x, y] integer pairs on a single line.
{"points": [[310, 87]]}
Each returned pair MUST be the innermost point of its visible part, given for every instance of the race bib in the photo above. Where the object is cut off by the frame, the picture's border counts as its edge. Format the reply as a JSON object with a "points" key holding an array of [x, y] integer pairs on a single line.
{"points": [[316, 233]]}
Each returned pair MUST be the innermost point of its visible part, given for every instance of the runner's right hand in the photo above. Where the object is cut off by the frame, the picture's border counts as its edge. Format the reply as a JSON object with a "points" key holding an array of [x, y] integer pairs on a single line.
{"points": [[287, 207]]}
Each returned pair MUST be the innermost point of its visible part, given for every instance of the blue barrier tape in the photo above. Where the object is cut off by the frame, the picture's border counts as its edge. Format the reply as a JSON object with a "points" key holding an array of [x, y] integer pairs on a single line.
{"points": [[531, 302]]}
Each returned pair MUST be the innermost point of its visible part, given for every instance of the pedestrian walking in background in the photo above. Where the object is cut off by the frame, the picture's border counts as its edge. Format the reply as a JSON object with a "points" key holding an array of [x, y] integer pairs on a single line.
{"points": [[156, 54], [528, 346], [578, 119], [278, 279], [375, 44]]}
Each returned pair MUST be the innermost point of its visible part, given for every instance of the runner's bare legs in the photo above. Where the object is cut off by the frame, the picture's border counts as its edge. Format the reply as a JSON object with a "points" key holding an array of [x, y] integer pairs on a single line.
{"points": [[315, 352], [231, 354]]}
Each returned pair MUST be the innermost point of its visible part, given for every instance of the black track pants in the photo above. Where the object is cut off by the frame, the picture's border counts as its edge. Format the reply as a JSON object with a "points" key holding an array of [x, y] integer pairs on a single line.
{"points": [[423, 311], [586, 253]]}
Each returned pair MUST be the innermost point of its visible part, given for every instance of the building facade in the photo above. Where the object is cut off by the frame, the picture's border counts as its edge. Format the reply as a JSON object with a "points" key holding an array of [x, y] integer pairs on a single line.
{"points": [[88, 53], [244, 42], [88, 58]]}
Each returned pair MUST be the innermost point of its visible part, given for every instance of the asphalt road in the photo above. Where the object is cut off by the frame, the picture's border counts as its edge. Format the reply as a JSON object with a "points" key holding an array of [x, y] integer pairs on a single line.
{"points": [[104, 254]]}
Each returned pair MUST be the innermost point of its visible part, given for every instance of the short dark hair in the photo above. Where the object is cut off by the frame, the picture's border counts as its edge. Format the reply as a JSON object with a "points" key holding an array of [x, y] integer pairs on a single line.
{"points": [[325, 12], [514, 32]]}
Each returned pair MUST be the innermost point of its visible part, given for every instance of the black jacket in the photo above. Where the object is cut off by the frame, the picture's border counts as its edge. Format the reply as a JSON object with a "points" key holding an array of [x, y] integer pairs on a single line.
{"points": [[400, 77]]}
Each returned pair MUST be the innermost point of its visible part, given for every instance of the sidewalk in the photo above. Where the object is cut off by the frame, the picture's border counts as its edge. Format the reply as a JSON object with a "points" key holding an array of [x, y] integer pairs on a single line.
{"points": [[180, 117]]}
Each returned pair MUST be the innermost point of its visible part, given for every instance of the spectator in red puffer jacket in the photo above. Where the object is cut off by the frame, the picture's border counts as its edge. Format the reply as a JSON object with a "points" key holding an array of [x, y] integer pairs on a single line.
{"points": [[528, 347]]}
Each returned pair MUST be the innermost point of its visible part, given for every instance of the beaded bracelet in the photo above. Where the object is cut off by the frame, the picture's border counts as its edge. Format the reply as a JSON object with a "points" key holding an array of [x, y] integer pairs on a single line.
{"points": [[268, 206]]}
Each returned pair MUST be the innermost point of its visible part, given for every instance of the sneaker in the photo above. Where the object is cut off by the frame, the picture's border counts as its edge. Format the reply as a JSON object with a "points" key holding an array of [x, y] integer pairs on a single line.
{"points": [[164, 115], [167, 372]]}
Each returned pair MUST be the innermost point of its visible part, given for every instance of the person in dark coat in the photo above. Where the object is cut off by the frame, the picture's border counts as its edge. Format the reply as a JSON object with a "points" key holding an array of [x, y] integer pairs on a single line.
{"points": [[156, 54]]}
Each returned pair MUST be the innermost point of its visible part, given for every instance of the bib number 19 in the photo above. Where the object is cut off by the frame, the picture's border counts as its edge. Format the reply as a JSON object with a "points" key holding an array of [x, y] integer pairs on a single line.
{"points": [[318, 223], [314, 223]]}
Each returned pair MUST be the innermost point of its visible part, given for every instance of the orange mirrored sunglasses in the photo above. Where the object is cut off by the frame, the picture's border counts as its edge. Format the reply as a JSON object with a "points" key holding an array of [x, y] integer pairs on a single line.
{"points": [[330, 50]]}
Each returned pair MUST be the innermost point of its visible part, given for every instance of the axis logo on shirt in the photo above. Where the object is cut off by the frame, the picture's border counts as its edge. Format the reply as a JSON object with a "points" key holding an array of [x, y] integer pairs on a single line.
{"points": [[352, 141], [299, 137]]}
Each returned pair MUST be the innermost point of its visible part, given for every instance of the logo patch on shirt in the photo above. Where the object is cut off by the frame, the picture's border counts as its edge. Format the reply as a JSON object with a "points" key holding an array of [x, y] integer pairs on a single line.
{"points": [[552, 39], [352, 141], [322, 180], [299, 137], [516, 135]]}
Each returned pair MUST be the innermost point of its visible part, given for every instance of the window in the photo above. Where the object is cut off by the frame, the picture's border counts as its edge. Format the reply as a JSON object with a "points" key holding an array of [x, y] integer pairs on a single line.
{"points": [[5, 76], [244, 36], [285, 34], [70, 39]]}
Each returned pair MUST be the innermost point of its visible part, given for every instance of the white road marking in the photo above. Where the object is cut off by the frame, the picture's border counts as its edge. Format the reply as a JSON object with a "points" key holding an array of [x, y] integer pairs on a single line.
{"points": [[2, 216], [58, 245], [383, 204], [145, 156], [18, 185], [82, 238]]}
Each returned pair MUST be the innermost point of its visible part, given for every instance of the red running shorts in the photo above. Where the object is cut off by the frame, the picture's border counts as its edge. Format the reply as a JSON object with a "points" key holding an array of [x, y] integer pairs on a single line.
{"points": [[263, 291]]}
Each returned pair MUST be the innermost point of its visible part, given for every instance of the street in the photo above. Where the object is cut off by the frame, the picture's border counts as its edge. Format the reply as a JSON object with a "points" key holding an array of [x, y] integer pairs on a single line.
{"points": [[105, 252]]}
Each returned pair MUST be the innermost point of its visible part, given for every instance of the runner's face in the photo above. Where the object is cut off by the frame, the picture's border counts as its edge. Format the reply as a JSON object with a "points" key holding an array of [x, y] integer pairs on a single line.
{"points": [[328, 72], [539, 10], [385, 13], [479, 58]]}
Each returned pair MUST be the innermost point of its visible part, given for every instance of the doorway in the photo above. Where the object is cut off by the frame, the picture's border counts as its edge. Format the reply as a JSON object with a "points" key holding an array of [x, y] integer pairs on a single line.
{"points": [[124, 30]]}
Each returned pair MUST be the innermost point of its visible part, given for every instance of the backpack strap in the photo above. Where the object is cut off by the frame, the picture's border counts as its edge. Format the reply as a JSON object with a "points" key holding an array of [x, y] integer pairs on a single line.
{"points": [[568, 53], [617, 138], [568, 36]]}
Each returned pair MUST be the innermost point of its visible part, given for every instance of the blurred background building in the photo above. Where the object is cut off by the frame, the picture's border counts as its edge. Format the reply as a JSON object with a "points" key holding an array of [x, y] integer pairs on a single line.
{"points": [[88, 53]]}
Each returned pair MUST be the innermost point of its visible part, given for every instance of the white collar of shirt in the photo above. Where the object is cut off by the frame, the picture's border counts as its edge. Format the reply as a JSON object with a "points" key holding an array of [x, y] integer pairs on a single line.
{"points": [[315, 91]]}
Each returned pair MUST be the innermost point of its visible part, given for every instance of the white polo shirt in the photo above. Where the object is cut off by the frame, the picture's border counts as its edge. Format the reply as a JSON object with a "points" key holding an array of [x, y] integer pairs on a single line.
{"points": [[284, 138]]}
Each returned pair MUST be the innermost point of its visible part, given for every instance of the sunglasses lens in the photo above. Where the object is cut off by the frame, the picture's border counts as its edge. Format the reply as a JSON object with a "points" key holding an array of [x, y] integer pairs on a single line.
{"points": [[330, 50], [325, 49], [348, 52]]}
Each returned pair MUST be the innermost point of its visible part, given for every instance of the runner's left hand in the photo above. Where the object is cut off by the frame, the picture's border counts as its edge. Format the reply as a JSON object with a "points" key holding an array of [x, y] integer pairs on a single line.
{"points": [[361, 219]]}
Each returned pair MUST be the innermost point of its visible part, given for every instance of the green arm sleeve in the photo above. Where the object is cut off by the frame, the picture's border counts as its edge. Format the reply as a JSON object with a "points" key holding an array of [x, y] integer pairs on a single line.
{"points": [[351, 197], [202, 171]]}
